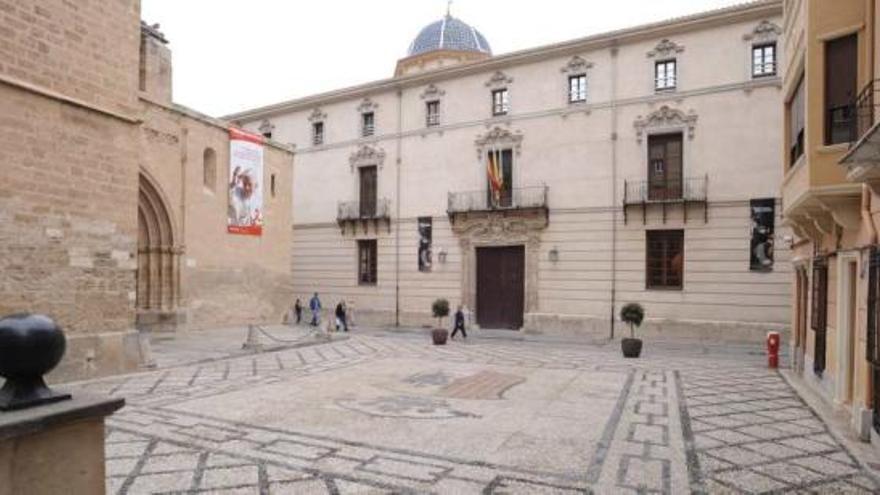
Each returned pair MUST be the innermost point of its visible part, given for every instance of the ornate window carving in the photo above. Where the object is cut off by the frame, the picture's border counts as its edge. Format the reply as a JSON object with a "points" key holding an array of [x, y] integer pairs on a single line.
{"points": [[367, 155], [498, 138], [498, 80], [666, 117], [266, 128], [367, 105], [317, 115], [764, 31], [665, 48], [576, 65], [432, 92]]}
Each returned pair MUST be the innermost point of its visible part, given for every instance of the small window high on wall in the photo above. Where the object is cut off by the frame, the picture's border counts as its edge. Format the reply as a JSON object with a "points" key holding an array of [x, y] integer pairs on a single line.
{"points": [[209, 169]]}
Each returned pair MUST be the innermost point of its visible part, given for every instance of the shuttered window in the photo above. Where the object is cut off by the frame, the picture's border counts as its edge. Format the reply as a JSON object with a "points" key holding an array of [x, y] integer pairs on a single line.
{"points": [[367, 262], [819, 312], [368, 181], [841, 64], [796, 121], [665, 259]]}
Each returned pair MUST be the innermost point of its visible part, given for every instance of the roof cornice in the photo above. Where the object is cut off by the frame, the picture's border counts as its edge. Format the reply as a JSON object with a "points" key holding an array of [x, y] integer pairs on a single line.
{"points": [[738, 13]]}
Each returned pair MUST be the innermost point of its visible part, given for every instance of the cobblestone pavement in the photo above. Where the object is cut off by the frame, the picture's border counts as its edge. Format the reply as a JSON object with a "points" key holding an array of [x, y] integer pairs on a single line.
{"points": [[393, 414]]}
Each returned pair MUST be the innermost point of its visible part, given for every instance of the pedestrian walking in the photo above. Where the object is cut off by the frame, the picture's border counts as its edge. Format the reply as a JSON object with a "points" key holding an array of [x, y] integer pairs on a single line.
{"points": [[340, 317], [315, 306], [298, 311], [459, 323]]}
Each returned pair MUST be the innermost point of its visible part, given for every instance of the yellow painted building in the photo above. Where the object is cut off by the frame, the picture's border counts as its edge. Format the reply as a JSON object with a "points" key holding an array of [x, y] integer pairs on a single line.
{"points": [[830, 202]]}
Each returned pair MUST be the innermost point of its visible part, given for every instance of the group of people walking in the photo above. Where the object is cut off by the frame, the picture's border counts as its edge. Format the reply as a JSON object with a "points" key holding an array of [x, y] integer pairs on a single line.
{"points": [[342, 318], [315, 308]]}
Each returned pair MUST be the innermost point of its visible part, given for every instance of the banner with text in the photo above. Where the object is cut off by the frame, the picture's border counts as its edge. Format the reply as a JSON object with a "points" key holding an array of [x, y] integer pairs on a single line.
{"points": [[245, 183]]}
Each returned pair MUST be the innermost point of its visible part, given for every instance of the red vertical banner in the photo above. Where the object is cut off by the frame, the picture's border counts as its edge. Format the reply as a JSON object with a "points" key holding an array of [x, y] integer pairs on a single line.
{"points": [[245, 214]]}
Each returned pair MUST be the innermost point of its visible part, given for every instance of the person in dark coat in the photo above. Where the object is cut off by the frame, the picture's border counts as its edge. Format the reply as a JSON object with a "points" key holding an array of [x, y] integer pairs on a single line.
{"points": [[459, 323], [340, 316], [315, 306], [298, 310]]}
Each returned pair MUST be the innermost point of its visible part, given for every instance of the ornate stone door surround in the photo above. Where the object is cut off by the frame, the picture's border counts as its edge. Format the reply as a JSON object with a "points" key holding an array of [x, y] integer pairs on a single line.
{"points": [[495, 229]]}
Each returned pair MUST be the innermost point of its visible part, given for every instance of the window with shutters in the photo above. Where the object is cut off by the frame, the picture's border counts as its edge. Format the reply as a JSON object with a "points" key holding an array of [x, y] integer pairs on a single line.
{"points": [[664, 167], [368, 124], [796, 108], [665, 75], [317, 133], [841, 64], [368, 182], [500, 102], [819, 312], [764, 60], [367, 262], [665, 259], [577, 88], [432, 113]]}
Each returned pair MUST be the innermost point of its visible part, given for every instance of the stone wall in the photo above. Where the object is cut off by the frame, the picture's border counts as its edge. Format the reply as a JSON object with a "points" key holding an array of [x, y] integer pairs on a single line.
{"points": [[68, 174]]}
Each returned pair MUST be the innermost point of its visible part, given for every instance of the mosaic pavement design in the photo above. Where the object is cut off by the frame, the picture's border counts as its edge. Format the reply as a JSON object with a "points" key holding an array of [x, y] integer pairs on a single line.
{"points": [[680, 422]]}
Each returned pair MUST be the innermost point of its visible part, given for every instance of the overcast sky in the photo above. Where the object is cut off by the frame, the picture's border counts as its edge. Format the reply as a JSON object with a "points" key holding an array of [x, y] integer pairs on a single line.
{"points": [[231, 55]]}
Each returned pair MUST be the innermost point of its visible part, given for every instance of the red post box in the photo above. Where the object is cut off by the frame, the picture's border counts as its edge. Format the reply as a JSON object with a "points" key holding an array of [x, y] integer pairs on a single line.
{"points": [[773, 341]]}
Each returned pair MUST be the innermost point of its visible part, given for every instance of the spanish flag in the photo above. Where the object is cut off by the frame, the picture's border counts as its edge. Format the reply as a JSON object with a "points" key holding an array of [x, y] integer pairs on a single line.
{"points": [[496, 174]]}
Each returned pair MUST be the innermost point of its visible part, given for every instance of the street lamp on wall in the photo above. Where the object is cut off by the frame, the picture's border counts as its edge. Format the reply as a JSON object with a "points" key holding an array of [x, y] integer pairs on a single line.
{"points": [[441, 255], [554, 254]]}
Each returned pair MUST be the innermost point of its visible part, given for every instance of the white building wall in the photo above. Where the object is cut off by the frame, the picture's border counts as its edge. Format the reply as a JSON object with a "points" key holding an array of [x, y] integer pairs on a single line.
{"points": [[569, 149]]}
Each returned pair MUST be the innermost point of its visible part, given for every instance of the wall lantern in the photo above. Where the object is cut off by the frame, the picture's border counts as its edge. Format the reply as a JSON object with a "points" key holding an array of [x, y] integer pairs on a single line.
{"points": [[441, 255], [554, 254]]}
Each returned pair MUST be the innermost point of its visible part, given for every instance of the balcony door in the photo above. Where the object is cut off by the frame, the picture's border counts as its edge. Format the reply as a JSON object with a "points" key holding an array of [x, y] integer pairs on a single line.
{"points": [[664, 167], [368, 180], [499, 166]]}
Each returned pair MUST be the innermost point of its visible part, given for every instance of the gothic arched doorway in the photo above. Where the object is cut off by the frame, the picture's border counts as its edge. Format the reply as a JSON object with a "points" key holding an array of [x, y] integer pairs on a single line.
{"points": [[158, 271]]}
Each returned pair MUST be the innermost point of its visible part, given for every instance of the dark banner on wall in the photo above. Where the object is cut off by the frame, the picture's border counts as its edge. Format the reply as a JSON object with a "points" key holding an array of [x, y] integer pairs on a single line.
{"points": [[763, 218], [425, 244]]}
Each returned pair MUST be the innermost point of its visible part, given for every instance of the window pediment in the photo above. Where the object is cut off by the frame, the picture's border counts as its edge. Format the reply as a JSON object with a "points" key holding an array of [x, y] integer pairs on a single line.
{"points": [[367, 155], [665, 48], [577, 64], [317, 115], [764, 31], [498, 80], [666, 117], [367, 105], [499, 138], [432, 92], [266, 127]]}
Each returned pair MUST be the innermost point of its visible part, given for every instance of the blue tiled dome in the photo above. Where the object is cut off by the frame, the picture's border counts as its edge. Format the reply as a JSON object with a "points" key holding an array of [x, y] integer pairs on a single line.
{"points": [[449, 33]]}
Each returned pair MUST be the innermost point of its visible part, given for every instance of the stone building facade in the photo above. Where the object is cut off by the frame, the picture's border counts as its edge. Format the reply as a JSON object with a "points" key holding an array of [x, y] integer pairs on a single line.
{"points": [[87, 149], [632, 165]]}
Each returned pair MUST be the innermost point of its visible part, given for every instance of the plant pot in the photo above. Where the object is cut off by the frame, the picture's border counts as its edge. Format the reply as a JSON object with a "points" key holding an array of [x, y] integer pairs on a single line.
{"points": [[632, 348], [439, 336]]}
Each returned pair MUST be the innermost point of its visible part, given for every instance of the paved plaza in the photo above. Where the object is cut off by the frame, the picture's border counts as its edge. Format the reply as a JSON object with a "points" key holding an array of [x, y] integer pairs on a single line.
{"points": [[384, 412]]}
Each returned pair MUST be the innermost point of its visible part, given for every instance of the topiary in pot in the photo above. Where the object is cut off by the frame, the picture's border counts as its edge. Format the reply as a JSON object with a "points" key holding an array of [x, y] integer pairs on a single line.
{"points": [[632, 314], [440, 310]]}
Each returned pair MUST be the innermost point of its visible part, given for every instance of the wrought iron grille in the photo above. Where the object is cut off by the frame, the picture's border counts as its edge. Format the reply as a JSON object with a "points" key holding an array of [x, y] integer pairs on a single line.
{"points": [[516, 198], [819, 312], [351, 210], [865, 106], [657, 191]]}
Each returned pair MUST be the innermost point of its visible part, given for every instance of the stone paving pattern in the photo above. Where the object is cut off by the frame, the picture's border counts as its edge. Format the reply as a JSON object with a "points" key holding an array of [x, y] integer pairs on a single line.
{"points": [[678, 420]]}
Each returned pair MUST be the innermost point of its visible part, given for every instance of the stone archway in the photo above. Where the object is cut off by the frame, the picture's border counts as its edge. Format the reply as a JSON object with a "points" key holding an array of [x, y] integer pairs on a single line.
{"points": [[158, 269]]}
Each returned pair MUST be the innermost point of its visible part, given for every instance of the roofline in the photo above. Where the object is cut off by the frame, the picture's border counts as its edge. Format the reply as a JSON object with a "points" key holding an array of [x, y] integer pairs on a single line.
{"points": [[701, 20]]}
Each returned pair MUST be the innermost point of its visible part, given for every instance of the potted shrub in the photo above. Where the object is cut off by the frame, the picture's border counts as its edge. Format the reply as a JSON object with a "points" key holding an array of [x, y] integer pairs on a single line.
{"points": [[632, 314], [440, 309]]}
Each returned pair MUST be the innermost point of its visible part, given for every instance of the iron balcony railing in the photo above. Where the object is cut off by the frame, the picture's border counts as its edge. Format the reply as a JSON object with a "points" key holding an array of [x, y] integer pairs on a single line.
{"points": [[865, 109], [517, 198], [358, 210], [664, 191]]}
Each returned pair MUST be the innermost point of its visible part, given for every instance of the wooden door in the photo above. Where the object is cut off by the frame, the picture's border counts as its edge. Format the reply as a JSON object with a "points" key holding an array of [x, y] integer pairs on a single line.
{"points": [[500, 287], [368, 192], [664, 167]]}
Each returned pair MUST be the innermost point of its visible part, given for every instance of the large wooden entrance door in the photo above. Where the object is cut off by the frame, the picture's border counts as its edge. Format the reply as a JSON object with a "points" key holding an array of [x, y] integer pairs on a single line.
{"points": [[500, 286]]}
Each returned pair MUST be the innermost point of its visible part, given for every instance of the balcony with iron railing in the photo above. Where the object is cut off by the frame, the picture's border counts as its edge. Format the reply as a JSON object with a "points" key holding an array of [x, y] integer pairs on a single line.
{"points": [[520, 198], [863, 157], [644, 193], [363, 212]]}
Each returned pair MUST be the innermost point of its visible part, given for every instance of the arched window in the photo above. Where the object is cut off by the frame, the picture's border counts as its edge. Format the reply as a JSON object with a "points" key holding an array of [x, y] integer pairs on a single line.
{"points": [[209, 169]]}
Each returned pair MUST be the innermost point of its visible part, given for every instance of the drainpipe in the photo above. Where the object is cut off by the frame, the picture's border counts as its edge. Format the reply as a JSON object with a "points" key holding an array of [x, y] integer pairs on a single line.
{"points": [[397, 214], [613, 184]]}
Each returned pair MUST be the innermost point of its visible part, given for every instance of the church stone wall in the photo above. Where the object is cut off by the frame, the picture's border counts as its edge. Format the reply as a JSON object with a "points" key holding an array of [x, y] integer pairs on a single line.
{"points": [[68, 175], [225, 279]]}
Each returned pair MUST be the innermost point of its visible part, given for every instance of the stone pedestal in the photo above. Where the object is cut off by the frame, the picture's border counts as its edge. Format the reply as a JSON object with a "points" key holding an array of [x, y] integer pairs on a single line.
{"points": [[57, 448]]}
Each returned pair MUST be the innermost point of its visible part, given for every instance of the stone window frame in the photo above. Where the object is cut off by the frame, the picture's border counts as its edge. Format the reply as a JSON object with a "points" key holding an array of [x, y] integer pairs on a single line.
{"points": [[318, 117], [764, 33], [575, 67], [666, 51], [433, 94], [367, 107]]}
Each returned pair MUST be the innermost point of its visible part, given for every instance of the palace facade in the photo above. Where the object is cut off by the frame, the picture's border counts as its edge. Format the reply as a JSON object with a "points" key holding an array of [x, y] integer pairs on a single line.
{"points": [[545, 188]]}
